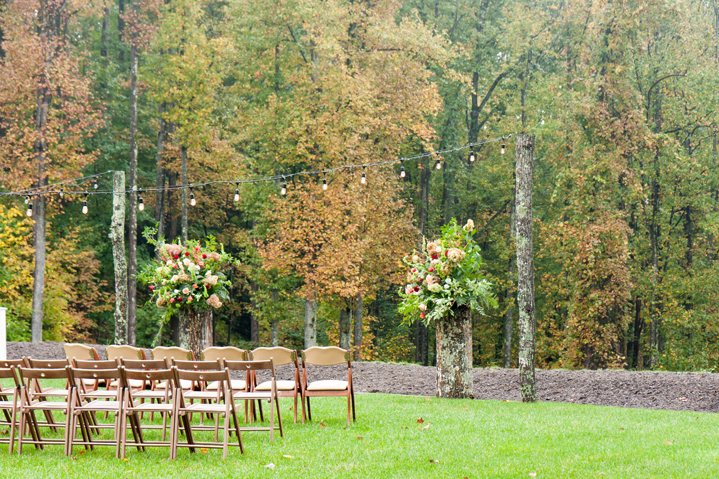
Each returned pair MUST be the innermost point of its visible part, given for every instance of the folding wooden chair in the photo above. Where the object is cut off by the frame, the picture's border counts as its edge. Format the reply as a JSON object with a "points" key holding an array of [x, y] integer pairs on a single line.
{"points": [[124, 351], [8, 391], [285, 388], [226, 353], [170, 353], [327, 356], [82, 352], [224, 406], [168, 408], [37, 391], [82, 406], [29, 403], [199, 390], [10, 407], [270, 396], [148, 388]]}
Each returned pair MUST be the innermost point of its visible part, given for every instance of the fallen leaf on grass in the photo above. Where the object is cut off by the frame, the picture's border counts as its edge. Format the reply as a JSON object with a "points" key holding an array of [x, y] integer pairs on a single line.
{"points": [[465, 407], [125, 459], [434, 461], [360, 437], [270, 466], [420, 420], [621, 428], [287, 456], [533, 474], [427, 399], [422, 428], [5, 432], [322, 424], [668, 443], [82, 452], [203, 450]]}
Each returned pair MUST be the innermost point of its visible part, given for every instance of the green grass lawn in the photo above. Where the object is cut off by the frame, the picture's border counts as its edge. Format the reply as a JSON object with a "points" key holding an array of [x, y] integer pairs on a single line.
{"points": [[457, 438]]}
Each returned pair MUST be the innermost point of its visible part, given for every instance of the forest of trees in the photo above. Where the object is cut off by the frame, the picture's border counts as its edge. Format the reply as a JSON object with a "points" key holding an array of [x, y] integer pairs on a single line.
{"points": [[621, 96]]}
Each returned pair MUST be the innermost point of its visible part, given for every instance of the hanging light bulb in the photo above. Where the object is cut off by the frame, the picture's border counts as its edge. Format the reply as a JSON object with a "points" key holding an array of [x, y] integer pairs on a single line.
{"points": [[237, 192], [471, 158], [283, 190], [502, 149], [363, 179], [438, 165], [29, 209], [402, 173], [27, 199], [84, 204], [324, 184], [192, 198], [140, 203], [62, 192], [94, 183]]}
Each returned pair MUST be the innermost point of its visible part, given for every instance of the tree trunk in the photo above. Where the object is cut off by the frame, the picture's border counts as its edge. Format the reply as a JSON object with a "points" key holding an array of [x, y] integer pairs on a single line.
{"points": [[254, 324], [160, 175], [345, 323], [454, 354], [421, 343], [38, 290], [183, 157], [120, 30], [525, 266], [358, 328], [117, 237], [132, 204], [274, 322], [310, 322], [105, 37], [195, 330]]}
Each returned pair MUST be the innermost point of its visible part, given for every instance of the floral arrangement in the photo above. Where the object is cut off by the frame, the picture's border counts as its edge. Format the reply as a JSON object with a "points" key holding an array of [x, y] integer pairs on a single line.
{"points": [[444, 274], [187, 277]]}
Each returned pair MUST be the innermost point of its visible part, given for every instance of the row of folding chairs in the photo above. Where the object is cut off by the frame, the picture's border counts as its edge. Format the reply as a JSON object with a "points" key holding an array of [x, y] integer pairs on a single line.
{"points": [[81, 404], [299, 387]]}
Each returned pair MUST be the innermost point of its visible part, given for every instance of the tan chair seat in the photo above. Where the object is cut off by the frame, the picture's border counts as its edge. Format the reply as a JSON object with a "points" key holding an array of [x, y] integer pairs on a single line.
{"points": [[134, 383], [236, 384], [52, 393], [91, 382], [212, 395], [147, 394], [97, 404], [184, 384], [202, 407], [327, 385], [281, 386], [61, 406], [100, 393], [148, 406]]}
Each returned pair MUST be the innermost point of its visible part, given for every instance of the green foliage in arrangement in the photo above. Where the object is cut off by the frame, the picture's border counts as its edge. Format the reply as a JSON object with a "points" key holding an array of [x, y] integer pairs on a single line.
{"points": [[410, 437], [447, 272]]}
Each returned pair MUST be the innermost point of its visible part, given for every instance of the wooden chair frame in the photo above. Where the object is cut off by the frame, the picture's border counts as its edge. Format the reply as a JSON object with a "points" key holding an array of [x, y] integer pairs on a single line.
{"points": [[11, 406], [281, 356], [269, 396], [327, 356]]}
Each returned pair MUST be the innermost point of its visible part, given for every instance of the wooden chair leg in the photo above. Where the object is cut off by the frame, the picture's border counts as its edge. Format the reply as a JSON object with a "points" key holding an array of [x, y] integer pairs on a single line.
{"points": [[227, 434], [349, 402], [237, 431], [272, 420], [23, 420], [279, 415], [309, 411], [295, 407], [354, 417]]}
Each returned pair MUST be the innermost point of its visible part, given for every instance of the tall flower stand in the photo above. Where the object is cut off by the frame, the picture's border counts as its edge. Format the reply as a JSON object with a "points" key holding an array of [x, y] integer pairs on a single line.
{"points": [[454, 354], [195, 330]]}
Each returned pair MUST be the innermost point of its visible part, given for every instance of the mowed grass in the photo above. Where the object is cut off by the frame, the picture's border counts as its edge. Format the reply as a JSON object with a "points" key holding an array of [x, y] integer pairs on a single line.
{"points": [[414, 437]]}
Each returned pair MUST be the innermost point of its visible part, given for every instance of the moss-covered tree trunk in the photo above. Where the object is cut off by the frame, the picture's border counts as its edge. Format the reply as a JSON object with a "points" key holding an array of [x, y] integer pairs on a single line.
{"points": [[454, 354], [525, 267], [195, 330], [117, 238]]}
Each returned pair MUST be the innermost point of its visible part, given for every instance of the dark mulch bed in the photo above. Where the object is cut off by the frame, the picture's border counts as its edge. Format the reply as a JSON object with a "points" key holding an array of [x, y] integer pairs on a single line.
{"points": [[653, 390]]}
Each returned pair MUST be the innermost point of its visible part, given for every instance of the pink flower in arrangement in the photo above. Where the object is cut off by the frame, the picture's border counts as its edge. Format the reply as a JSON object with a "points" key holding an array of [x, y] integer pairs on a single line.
{"points": [[423, 307], [151, 287], [414, 270], [421, 315], [204, 256], [431, 270], [197, 248], [416, 289], [172, 300], [174, 266], [186, 291], [189, 299], [195, 286], [179, 300], [408, 290], [177, 256], [187, 253], [434, 256]]}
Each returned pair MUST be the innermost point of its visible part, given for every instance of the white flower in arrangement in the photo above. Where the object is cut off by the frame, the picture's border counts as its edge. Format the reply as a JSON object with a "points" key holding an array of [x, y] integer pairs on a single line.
{"points": [[173, 279], [187, 262], [446, 286], [159, 269], [169, 262], [415, 259], [435, 287], [448, 280]]}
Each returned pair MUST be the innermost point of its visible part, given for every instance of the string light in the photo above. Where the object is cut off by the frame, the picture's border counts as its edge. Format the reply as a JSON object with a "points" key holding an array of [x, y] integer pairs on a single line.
{"points": [[29, 209], [402, 173], [192, 198], [471, 155], [363, 179], [94, 183], [324, 183], [283, 190], [502, 149], [237, 192], [438, 165], [62, 192], [140, 203], [84, 203]]}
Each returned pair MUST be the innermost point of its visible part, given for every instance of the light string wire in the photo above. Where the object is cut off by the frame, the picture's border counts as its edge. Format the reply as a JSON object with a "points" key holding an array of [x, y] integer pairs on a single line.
{"points": [[41, 189], [273, 178]]}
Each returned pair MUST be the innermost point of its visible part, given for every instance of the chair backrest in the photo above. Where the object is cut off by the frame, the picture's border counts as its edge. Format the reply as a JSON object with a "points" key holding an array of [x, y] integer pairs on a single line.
{"points": [[47, 363], [228, 352], [97, 374], [32, 373], [197, 376], [170, 353], [148, 375], [80, 351], [325, 356], [9, 363], [110, 364], [197, 365], [124, 351], [9, 373], [251, 365], [143, 365], [278, 354]]}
